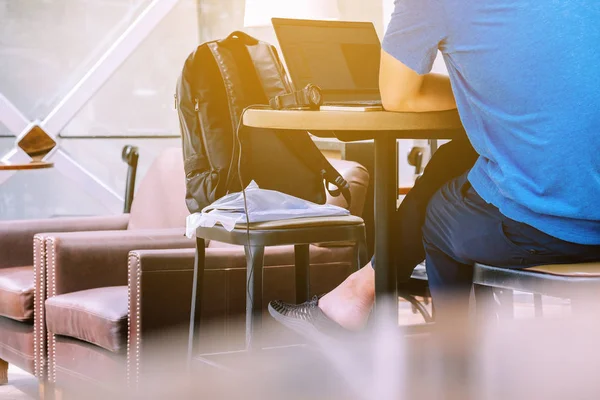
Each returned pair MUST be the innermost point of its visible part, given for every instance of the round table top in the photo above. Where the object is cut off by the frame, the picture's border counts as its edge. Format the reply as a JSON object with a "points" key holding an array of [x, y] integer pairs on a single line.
{"points": [[352, 120], [25, 166]]}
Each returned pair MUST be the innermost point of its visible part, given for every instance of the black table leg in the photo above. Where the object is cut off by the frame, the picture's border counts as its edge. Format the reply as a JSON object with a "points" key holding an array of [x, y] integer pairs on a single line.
{"points": [[196, 306], [386, 194], [254, 293], [302, 267]]}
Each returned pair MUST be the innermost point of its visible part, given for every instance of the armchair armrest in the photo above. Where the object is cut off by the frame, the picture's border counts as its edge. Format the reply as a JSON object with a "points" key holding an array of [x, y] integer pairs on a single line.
{"points": [[357, 177], [16, 237], [86, 260]]}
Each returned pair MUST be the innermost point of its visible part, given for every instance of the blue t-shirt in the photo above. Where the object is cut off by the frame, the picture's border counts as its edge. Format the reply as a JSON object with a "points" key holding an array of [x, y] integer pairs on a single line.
{"points": [[526, 77]]}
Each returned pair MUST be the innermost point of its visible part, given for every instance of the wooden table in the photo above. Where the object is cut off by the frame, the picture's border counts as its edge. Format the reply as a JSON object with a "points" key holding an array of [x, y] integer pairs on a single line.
{"points": [[25, 166], [384, 128]]}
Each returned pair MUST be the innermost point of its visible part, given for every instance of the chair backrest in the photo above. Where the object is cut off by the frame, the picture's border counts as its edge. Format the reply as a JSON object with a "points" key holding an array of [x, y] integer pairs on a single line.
{"points": [[159, 201]]}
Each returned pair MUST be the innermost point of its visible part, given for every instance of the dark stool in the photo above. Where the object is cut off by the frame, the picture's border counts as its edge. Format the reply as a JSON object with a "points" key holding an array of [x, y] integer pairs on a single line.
{"points": [[418, 286], [572, 281], [255, 237]]}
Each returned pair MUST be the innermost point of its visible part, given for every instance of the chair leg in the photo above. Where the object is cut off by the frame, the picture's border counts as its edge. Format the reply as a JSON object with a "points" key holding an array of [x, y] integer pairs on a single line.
{"points": [[254, 293], [484, 302], [196, 306], [538, 305], [302, 267], [3, 372]]}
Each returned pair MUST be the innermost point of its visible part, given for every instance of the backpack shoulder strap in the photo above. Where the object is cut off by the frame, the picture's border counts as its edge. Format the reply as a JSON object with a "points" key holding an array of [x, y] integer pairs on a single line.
{"points": [[302, 145], [239, 51], [274, 79]]}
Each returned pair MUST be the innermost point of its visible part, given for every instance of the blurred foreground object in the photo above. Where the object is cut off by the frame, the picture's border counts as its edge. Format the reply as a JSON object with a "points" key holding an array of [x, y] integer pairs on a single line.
{"points": [[550, 359]]}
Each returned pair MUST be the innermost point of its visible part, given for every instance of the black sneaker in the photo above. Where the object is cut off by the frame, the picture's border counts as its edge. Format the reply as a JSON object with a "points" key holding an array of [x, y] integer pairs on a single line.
{"points": [[307, 319]]}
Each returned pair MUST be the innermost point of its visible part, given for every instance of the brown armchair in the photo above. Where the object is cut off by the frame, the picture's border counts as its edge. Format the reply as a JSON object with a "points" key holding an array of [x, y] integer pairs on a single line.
{"points": [[23, 271], [103, 319], [19, 268]]}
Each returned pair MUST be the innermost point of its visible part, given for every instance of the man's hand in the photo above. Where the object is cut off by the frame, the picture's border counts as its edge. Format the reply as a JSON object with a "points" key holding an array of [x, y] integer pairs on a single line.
{"points": [[403, 90]]}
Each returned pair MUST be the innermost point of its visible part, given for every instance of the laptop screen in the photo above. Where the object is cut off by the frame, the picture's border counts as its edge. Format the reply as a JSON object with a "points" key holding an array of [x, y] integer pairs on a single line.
{"points": [[340, 57]]}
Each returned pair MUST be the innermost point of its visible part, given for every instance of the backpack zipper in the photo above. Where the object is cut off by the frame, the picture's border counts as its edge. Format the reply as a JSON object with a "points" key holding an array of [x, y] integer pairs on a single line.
{"points": [[197, 105]]}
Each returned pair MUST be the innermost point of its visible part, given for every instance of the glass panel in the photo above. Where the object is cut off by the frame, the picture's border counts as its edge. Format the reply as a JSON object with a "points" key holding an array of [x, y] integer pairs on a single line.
{"points": [[217, 18], [6, 145], [47, 193], [102, 157], [43, 194], [138, 98], [349, 10], [353, 10], [47, 46], [4, 133]]}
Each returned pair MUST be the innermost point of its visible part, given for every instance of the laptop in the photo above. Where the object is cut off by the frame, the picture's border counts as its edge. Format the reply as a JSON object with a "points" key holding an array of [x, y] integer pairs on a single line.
{"points": [[342, 58]]}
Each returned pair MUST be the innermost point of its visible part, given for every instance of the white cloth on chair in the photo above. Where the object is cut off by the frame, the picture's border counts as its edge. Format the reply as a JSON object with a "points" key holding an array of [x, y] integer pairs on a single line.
{"points": [[263, 205]]}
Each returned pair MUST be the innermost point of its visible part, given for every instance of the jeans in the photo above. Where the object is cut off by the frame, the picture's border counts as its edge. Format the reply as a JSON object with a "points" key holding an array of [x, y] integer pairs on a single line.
{"points": [[444, 221]]}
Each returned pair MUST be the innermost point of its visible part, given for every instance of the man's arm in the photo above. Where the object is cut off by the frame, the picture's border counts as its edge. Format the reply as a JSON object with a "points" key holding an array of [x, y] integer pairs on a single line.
{"points": [[404, 90]]}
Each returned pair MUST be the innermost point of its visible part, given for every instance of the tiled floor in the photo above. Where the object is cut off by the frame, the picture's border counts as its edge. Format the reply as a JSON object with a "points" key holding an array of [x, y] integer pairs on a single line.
{"points": [[23, 386]]}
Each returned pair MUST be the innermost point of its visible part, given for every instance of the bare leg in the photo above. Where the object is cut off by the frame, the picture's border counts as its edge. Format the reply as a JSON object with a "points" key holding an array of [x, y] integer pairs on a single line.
{"points": [[351, 302]]}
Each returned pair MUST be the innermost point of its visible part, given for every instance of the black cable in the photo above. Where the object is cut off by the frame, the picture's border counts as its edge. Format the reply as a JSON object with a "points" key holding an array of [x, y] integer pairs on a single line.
{"points": [[418, 306], [239, 171]]}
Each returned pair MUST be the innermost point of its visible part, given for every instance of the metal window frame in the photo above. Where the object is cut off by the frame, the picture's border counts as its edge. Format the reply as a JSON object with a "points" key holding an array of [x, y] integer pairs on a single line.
{"points": [[76, 98]]}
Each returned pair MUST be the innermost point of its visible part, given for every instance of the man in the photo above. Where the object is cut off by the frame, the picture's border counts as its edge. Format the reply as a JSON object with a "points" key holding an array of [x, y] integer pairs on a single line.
{"points": [[525, 77]]}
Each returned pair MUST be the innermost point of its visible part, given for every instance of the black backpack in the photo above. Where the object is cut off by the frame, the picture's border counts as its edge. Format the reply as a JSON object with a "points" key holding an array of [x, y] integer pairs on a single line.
{"points": [[219, 80]]}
